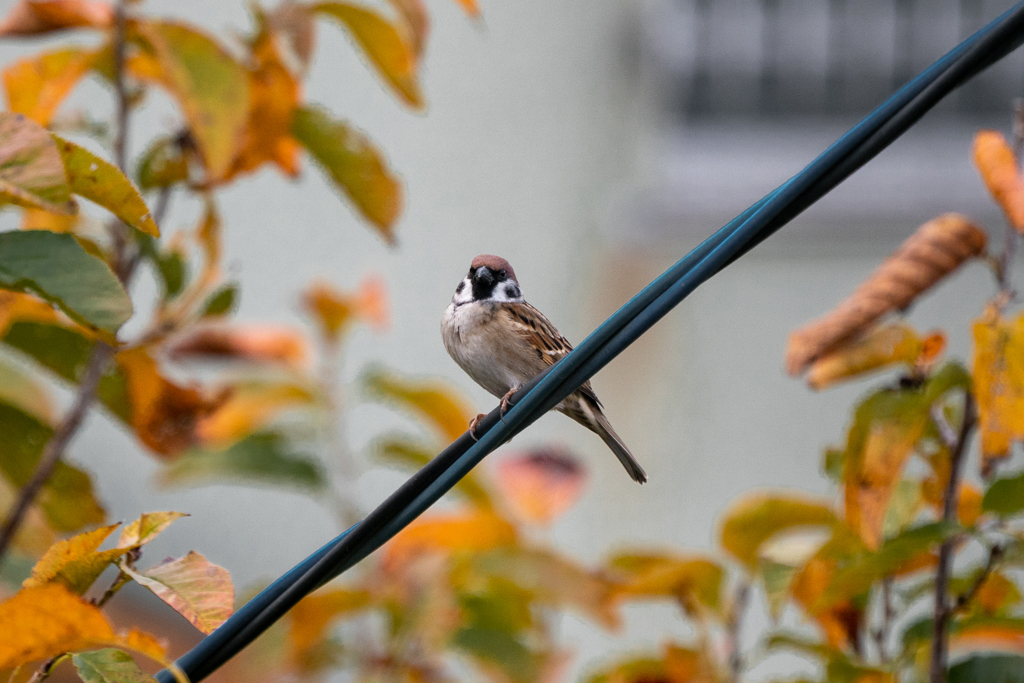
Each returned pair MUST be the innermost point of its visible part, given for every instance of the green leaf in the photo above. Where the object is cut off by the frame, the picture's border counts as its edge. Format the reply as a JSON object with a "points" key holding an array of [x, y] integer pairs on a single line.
{"points": [[384, 46], [262, 458], [172, 272], [496, 622], [101, 182], [31, 169], [209, 85], [162, 165], [196, 588], [57, 268], [66, 353], [20, 389], [354, 164], [988, 669], [109, 666], [67, 498], [221, 302], [752, 521], [1005, 496]]}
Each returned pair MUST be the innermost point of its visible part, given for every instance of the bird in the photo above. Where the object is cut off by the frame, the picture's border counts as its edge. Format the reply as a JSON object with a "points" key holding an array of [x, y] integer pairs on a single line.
{"points": [[502, 343]]}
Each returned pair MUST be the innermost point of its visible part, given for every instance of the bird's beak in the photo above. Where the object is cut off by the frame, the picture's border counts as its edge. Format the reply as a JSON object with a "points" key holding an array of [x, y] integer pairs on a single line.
{"points": [[483, 276]]}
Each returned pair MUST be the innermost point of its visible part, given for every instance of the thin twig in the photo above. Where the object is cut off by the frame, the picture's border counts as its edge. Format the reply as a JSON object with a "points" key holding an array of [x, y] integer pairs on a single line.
{"points": [[733, 645], [888, 614], [995, 553], [940, 640], [54, 449], [47, 668]]}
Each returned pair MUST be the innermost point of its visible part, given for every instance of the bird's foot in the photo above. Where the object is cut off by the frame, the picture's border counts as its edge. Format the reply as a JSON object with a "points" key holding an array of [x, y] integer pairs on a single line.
{"points": [[472, 426], [506, 403]]}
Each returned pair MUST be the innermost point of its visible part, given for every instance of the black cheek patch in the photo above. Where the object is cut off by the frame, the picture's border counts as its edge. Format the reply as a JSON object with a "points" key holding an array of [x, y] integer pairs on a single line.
{"points": [[511, 291], [462, 286]]}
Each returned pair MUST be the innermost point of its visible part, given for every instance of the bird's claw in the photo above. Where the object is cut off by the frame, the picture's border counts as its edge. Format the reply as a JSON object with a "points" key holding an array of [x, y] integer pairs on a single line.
{"points": [[472, 426], [506, 403]]}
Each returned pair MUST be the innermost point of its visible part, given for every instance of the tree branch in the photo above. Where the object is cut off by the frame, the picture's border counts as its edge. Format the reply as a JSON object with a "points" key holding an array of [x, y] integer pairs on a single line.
{"points": [[733, 646], [943, 610], [995, 553]]}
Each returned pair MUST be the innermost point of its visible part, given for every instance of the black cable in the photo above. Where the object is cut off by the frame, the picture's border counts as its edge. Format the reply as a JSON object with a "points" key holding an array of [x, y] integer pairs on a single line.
{"points": [[844, 157]]}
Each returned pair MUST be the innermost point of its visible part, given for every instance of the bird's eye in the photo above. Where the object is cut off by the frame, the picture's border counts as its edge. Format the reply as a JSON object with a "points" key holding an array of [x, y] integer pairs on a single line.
{"points": [[501, 273]]}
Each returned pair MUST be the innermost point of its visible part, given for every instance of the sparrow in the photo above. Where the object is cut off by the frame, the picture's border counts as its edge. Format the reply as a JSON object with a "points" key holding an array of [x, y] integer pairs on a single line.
{"points": [[502, 342]]}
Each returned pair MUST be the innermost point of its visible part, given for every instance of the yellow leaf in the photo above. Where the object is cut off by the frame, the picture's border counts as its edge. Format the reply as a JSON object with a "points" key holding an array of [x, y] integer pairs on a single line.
{"points": [[383, 44], [32, 171], [146, 528], [748, 524], [436, 402], [196, 588], [207, 83], [144, 643], [998, 167], [254, 343], [100, 181], [999, 384], [309, 619], [840, 622], [473, 531], [75, 562], [695, 582], [896, 343], [32, 17], [36, 86], [541, 485], [969, 504], [47, 620]]}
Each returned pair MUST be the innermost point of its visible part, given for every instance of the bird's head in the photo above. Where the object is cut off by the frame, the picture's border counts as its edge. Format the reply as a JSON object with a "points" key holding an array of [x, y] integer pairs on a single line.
{"points": [[490, 278]]}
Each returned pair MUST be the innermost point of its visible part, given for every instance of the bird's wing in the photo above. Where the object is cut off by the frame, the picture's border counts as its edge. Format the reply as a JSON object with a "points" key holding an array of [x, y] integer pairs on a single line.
{"points": [[539, 334]]}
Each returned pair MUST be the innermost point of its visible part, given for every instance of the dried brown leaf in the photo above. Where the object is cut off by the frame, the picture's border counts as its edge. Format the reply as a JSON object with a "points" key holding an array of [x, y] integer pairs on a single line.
{"points": [[999, 168]]}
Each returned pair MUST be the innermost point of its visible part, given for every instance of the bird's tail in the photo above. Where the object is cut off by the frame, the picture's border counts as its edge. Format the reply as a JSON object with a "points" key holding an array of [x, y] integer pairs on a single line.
{"points": [[595, 420]]}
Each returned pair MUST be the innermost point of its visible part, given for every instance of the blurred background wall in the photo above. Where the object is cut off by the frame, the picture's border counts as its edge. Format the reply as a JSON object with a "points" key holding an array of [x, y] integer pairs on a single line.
{"points": [[592, 143]]}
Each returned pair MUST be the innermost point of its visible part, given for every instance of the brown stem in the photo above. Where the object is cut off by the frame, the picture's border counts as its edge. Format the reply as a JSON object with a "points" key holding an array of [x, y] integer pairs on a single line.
{"points": [[47, 668], [733, 646], [943, 610], [995, 553], [54, 449]]}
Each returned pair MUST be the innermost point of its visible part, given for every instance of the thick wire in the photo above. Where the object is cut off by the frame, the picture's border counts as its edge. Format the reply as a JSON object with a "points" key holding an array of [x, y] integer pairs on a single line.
{"points": [[761, 220]]}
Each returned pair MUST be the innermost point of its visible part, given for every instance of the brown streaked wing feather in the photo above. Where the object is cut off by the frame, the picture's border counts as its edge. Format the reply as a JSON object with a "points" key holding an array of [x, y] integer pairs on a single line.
{"points": [[539, 333]]}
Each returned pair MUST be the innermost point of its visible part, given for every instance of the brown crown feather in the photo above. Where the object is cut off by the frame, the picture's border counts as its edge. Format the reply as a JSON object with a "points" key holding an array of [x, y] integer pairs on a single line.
{"points": [[495, 263]]}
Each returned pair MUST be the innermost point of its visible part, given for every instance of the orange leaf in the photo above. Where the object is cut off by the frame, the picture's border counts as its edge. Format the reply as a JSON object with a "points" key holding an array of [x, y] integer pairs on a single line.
{"points": [[44, 621], [164, 415], [435, 402], [470, 6], [969, 504], [313, 614], [414, 13], [36, 86], [75, 562], [146, 528], [31, 17], [998, 167], [273, 97], [1008, 637], [474, 531], [999, 384], [334, 309], [196, 588], [541, 485], [249, 407], [256, 343], [695, 581], [839, 622], [144, 643], [295, 24]]}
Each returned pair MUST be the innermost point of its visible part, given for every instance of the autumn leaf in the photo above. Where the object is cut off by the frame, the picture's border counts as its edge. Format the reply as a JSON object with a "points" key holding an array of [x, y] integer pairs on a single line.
{"points": [[840, 621], [109, 665], [163, 164], [383, 44], [164, 415], [696, 582], [749, 523], [76, 562], [49, 620], [295, 26], [146, 528], [540, 485], [999, 384], [32, 17], [357, 167], [254, 343], [197, 589], [250, 406], [892, 344], [274, 95], [205, 80], [414, 13], [32, 171], [34, 534], [436, 403], [1000, 170], [470, 6], [935, 250], [36, 86], [101, 182], [310, 618], [334, 311], [472, 531]]}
